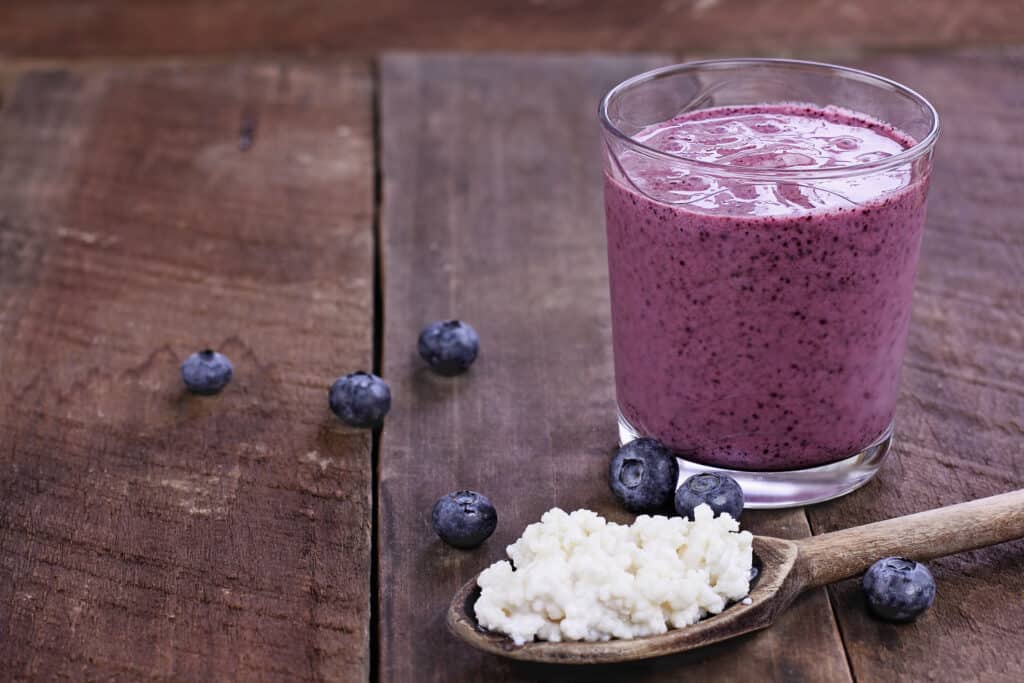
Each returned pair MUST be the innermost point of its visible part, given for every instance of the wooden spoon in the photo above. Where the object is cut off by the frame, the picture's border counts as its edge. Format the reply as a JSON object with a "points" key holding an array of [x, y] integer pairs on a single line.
{"points": [[787, 568]]}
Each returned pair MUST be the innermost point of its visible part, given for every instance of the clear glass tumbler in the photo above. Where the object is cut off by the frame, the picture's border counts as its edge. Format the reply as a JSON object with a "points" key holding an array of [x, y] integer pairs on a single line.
{"points": [[764, 223]]}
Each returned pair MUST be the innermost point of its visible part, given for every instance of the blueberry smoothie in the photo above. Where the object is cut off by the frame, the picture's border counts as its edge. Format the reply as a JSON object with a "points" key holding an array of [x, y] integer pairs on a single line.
{"points": [[759, 323]]}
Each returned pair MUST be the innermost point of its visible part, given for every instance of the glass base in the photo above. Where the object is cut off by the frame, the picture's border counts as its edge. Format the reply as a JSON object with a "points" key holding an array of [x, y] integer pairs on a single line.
{"points": [[792, 488]]}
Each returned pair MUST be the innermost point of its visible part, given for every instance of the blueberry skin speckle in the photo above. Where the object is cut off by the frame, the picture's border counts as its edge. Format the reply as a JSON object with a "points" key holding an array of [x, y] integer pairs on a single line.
{"points": [[464, 519], [449, 346], [898, 589], [719, 491], [206, 372], [643, 476], [360, 399]]}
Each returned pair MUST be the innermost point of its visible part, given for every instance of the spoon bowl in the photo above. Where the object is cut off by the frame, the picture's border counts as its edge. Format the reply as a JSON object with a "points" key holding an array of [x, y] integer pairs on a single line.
{"points": [[771, 592], [786, 569]]}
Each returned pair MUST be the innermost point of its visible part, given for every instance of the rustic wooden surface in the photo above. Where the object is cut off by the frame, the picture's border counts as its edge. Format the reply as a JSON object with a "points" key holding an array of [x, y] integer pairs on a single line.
{"points": [[492, 212], [960, 420], [146, 534], [91, 28]]}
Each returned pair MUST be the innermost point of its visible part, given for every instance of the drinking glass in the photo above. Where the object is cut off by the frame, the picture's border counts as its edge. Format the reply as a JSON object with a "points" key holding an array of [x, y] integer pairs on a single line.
{"points": [[760, 311]]}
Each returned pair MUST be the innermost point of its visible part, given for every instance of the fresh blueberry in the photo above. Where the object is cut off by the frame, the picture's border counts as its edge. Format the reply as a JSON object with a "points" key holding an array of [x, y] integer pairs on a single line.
{"points": [[360, 399], [898, 589], [643, 476], [449, 346], [464, 519], [206, 372], [719, 491]]}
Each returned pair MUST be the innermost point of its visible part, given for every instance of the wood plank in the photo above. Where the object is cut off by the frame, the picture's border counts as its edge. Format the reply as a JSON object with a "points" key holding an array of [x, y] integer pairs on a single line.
{"points": [[146, 533], [961, 414], [493, 212], [89, 28]]}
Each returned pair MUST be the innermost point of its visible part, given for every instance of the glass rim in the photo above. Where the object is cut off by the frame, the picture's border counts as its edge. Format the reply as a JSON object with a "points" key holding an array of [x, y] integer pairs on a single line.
{"points": [[908, 155]]}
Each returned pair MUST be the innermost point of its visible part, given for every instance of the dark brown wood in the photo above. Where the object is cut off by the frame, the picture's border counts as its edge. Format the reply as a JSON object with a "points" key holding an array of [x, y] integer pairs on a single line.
{"points": [[492, 212], [959, 424], [89, 28], [146, 533], [7, 76]]}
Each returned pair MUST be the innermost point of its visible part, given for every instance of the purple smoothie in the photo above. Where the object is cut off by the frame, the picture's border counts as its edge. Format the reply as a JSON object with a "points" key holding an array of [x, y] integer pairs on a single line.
{"points": [[761, 325]]}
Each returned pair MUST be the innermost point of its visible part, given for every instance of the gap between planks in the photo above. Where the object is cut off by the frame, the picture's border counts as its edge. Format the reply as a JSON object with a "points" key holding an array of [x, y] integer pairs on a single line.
{"points": [[378, 362]]}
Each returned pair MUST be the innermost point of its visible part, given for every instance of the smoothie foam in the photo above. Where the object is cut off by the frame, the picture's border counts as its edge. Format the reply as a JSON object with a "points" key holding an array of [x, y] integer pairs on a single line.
{"points": [[760, 324]]}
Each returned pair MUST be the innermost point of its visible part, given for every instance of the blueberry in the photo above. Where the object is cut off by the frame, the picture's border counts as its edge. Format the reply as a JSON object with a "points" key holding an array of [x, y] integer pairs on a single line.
{"points": [[719, 491], [449, 346], [898, 589], [643, 476], [360, 399], [464, 519], [206, 372]]}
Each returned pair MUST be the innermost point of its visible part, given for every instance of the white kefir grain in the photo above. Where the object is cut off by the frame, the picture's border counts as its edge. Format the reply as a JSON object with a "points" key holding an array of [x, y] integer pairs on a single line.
{"points": [[579, 577]]}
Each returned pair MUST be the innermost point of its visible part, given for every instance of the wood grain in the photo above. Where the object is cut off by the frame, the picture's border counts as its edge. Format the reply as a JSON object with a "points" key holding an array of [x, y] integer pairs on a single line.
{"points": [[960, 420], [146, 533], [492, 212], [90, 28]]}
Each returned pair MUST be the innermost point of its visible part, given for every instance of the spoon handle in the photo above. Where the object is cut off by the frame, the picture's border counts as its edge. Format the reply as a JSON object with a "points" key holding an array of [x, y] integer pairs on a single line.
{"points": [[841, 554]]}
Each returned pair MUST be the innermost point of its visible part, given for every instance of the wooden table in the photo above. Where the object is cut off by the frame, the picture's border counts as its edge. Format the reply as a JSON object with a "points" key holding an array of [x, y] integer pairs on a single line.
{"points": [[308, 217]]}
